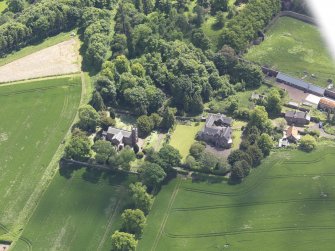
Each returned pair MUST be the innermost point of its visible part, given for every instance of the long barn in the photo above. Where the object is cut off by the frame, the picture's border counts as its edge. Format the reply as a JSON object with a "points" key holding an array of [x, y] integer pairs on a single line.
{"points": [[300, 84]]}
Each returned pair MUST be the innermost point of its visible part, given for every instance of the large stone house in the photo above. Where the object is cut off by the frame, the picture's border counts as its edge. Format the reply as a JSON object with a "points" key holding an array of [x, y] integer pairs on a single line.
{"points": [[217, 131], [297, 118], [120, 137]]}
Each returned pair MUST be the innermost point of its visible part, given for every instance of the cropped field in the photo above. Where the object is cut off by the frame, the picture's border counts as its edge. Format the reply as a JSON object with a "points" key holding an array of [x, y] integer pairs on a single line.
{"points": [[285, 204], [35, 117], [59, 59], [77, 213], [296, 48], [184, 136]]}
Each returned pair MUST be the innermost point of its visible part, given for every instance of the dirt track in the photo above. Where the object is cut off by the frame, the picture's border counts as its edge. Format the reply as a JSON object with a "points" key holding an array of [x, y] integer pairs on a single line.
{"points": [[60, 59]]}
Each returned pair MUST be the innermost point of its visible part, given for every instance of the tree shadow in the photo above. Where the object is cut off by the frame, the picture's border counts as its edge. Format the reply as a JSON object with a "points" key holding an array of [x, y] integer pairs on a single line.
{"points": [[66, 168]]}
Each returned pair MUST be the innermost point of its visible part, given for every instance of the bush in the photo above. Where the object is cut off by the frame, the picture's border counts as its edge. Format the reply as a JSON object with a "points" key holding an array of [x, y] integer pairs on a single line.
{"points": [[307, 143], [140, 155]]}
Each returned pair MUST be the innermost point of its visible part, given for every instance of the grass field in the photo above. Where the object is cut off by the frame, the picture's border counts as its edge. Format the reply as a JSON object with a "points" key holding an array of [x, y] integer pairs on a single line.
{"points": [[285, 204], [35, 117], [77, 213], [184, 136], [35, 48], [295, 47]]}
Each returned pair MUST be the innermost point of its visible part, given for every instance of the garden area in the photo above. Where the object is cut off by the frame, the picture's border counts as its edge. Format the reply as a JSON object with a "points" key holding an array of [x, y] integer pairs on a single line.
{"points": [[184, 136]]}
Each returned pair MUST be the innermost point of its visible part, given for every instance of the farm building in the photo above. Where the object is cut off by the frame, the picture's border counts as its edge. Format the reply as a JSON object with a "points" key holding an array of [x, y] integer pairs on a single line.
{"points": [[300, 84], [120, 137], [217, 131], [326, 104], [298, 118]]}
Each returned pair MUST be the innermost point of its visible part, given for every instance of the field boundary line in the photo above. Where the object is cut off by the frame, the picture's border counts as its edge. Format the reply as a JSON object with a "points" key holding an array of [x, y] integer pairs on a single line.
{"points": [[24, 81], [166, 216], [47, 178]]}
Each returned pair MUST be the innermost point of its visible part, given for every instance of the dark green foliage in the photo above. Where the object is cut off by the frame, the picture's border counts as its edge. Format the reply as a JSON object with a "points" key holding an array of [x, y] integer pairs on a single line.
{"points": [[104, 150], [89, 119], [243, 28], [169, 157], [123, 241], [106, 121], [240, 170], [168, 120], [197, 149], [123, 159], [307, 143], [141, 199], [219, 5], [133, 221], [145, 125], [256, 155], [151, 174], [265, 143], [97, 102], [16, 5], [274, 103], [78, 148], [200, 40]]}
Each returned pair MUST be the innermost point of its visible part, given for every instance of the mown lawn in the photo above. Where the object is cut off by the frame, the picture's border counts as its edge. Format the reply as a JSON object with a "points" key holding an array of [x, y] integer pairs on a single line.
{"points": [[35, 117], [286, 203], [296, 48], [79, 212], [184, 136]]}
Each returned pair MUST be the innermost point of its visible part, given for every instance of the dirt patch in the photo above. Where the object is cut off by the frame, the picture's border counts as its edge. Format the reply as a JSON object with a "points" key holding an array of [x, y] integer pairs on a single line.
{"points": [[294, 94], [60, 59]]}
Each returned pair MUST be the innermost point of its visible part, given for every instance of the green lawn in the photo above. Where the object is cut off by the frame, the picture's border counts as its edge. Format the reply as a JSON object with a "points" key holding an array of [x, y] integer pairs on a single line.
{"points": [[295, 47], [35, 117], [77, 213], [184, 136], [35, 48], [285, 204]]}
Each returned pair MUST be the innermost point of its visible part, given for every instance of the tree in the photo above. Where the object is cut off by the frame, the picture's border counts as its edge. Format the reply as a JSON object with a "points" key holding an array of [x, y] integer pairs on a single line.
{"points": [[78, 148], [16, 5], [168, 120], [273, 105], [123, 159], [123, 241], [219, 5], [235, 156], [119, 45], [106, 121], [137, 99], [156, 120], [259, 118], [307, 143], [256, 155], [169, 157], [219, 19], [141, 199], [88, 118], [265, 143], [145, 125], [121, 64], [103, 150], [151, 174], [240, 170], [197, 149], [133, 221], [97, 102], [105, 86]]}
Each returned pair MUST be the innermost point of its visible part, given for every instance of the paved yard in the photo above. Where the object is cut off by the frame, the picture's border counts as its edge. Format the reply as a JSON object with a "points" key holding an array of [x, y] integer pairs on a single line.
{"points": [[293, 93], [60, 59]]}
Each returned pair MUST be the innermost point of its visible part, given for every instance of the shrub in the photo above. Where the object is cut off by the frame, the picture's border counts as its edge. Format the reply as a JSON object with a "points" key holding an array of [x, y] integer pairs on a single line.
{"points": [[307, 143]]}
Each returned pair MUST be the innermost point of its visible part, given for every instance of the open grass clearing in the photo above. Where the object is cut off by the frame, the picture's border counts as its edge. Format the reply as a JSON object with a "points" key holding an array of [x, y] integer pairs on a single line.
{"points": [[37, 116], [59, 59], [79, 211], [285, 202], [296, 48], [184, 136]]}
